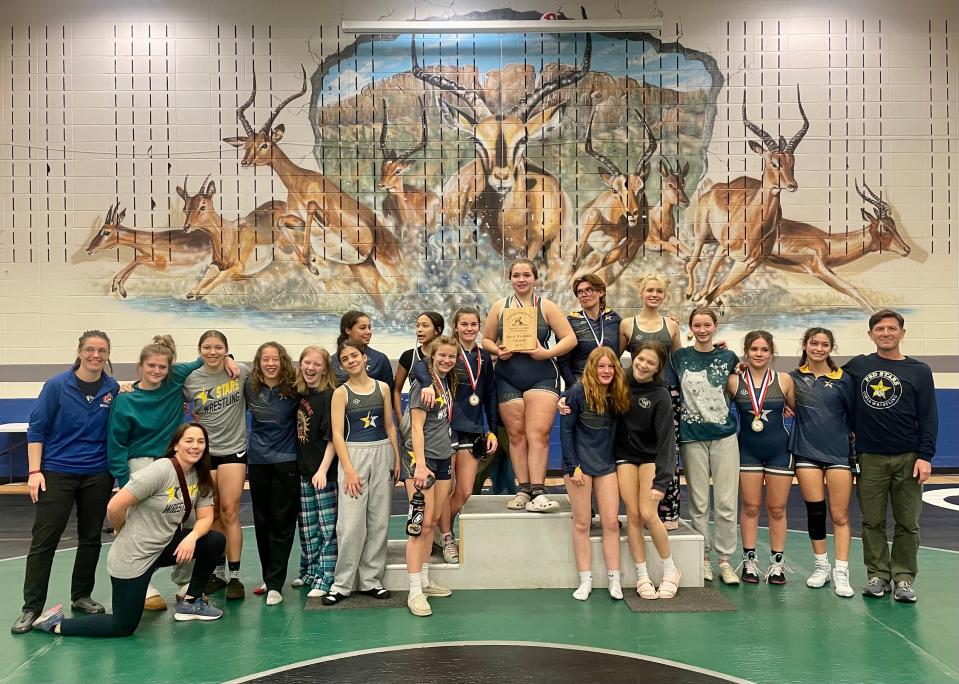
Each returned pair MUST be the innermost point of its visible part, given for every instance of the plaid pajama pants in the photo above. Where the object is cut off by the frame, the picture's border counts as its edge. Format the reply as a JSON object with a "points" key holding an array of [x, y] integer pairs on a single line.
{"points": [[317, 526]]}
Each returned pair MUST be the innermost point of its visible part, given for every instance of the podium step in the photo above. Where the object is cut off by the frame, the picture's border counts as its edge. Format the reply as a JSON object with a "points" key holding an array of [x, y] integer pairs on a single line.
{"points": [[504, 549]]}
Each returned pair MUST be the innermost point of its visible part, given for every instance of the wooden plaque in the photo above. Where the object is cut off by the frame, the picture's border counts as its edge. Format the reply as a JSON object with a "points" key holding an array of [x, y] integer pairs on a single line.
{"points": [[519, 329]]}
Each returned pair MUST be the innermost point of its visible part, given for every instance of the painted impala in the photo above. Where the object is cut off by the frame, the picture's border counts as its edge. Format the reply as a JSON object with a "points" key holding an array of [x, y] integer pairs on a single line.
{"points": [[662, 223], [804, 248], [743, 215], [349, 226], [407, 206], [161, 250], [241, 247], [615, 221], [518, 203]]}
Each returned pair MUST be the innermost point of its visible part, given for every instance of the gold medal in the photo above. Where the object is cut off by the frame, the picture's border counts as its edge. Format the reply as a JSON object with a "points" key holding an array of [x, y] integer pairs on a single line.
{"points": [[757, 425]]}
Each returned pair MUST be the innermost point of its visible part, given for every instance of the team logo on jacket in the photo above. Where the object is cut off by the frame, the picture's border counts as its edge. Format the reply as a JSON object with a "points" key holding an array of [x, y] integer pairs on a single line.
{"points": [[644, 402], [881, 389], [107, 398]]}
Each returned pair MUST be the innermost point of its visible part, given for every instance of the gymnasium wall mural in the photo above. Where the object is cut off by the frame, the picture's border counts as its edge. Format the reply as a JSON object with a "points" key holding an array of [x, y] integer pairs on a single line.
{"points": [[437, 159]]}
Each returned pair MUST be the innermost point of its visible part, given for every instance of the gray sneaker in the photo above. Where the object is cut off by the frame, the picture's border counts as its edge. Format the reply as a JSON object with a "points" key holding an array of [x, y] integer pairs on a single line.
{"points": [[876, 587], [904, 593], [198, 610]]}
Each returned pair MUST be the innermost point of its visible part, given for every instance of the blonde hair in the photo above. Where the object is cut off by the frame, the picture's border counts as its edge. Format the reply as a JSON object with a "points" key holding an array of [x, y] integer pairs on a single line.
{"points": [[162, 345], [436, 343], [327, 380]]}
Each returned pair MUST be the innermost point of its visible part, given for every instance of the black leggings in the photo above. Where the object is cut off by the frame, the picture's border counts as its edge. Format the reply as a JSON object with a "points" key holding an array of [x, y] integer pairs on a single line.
{"points": [[129, 594]]}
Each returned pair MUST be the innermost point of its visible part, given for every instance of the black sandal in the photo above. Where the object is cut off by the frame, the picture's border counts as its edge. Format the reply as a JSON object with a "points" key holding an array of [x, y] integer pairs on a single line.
{"points": [[377, 593], [332, 598]]}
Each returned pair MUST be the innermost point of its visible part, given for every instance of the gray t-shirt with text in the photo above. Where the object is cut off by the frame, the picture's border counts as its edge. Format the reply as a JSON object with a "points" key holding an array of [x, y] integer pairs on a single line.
{"points": [[219, 403], [152, 521]]}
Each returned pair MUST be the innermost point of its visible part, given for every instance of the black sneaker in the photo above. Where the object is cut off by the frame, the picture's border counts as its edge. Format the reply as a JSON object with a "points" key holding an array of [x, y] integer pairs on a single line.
{"points": [[904, 593], [750, 567], [776, 573], [876, 587], [215, 584], [333, 598], [235, 589]]}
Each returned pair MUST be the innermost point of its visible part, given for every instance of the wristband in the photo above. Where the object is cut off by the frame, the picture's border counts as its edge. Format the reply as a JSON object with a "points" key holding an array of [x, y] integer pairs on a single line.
{"points": [[34, 472]]}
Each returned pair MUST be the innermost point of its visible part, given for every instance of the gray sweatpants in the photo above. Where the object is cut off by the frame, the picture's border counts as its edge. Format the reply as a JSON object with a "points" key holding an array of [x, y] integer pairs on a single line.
{"points": [[719, 458], [362, 523]]}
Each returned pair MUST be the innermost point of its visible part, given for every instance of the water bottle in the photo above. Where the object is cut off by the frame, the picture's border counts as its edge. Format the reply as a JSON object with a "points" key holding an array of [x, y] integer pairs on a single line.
{"points": [[414, 521]]}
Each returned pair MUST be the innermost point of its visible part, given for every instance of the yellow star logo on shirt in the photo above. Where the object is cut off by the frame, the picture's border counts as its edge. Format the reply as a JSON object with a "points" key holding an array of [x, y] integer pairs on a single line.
{"points": [[441, 400], [202, 397], [170, 494], [879, 389], [369, 420]]}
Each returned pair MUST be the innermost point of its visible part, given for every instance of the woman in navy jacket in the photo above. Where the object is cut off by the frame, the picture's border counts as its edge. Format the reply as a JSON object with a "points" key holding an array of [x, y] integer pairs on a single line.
{"points": [[67, 451]]}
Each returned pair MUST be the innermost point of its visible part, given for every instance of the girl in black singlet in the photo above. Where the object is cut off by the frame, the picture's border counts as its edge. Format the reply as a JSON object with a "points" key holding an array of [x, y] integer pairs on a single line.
{"points": [[528, 385]]}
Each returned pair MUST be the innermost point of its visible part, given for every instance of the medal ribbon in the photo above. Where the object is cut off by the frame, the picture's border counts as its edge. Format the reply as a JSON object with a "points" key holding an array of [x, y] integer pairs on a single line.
{"points": [[474, 380], [757, 404], [447, 397], [602, 329]]}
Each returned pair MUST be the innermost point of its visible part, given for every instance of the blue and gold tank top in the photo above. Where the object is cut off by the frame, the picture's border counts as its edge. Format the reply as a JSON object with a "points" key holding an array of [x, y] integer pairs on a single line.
{"points": [[364, 415]]}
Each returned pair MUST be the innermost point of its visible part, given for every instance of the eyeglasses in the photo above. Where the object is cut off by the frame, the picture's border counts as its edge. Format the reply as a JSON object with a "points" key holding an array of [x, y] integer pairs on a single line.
{"points": [[585, 292], [102, 351]]}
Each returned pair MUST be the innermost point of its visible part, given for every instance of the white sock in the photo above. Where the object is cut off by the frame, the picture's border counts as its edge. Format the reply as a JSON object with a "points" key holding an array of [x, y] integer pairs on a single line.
{"points": [[844, 565], [220, 571], [416, 586], [641, 571], [615, 586], [822, 558], [585, 586], [425, 575], [669, 567]]}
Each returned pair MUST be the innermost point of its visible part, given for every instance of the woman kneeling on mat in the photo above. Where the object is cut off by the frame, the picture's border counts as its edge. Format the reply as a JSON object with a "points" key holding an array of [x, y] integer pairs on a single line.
{"points": [[646, 462], [587, 434], [149, 515]]}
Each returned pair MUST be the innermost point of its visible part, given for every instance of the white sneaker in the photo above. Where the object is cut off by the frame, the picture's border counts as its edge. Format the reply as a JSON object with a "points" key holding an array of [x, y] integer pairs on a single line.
{"points": [[434, 589], [707, 570], [819, 576], [727, 573], [616, 590], [840, 583], [418, 605], [273, 597]]}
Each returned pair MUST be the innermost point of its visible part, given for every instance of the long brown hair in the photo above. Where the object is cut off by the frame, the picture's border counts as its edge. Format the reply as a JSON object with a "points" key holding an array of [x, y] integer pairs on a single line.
{"points": [[327, 380], [443, 340], [202, 467], [598, 394], [808, 335], [287, 378]]}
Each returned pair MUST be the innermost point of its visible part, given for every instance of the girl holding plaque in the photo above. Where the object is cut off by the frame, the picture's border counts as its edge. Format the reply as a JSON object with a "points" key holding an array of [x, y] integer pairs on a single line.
{"points": [[429, 326], [761, 393], [707, 430], [527, 379], [475, 419]]}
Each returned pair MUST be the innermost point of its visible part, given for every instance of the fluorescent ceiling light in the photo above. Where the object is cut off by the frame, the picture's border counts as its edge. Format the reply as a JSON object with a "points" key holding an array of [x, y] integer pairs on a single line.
{"points": [[504, 26]]}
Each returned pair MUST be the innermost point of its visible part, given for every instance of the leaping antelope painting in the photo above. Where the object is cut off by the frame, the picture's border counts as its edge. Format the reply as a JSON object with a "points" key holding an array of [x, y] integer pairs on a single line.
{"points": [[438, 159]]}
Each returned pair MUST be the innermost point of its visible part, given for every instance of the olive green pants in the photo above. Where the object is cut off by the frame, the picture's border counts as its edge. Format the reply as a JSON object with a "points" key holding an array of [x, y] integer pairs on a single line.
{"points": [[886, 477]]}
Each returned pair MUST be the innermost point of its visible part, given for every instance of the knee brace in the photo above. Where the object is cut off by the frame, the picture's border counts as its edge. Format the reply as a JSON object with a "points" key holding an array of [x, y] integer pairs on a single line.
{"points": [[816, 519]]}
